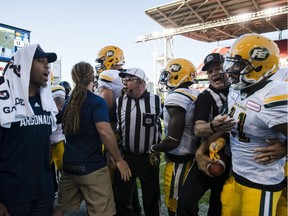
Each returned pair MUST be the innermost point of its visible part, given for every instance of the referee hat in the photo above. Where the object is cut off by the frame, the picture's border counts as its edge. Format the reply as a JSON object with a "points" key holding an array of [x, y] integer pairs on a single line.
{"points": [[137, 72]]}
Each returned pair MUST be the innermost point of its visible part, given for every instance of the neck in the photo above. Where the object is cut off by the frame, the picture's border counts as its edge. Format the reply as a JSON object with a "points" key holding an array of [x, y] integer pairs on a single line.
{"points": [[90, 86], [32, 90]]}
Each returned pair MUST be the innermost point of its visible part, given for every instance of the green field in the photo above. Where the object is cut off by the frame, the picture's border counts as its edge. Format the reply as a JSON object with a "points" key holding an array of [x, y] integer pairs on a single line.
{"points": [[6, 38]]}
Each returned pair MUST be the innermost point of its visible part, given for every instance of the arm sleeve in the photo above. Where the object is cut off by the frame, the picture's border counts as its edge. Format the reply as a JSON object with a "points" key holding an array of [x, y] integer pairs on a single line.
{"points": [[100, 111], [275, 109], [202, 108]]}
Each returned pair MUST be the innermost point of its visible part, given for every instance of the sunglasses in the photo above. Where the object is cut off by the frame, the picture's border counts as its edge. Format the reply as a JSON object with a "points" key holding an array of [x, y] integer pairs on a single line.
{"points": [[125, 80]]}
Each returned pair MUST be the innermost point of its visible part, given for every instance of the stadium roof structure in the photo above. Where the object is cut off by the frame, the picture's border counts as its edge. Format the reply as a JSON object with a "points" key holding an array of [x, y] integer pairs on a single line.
{"points": [[217, 20]]}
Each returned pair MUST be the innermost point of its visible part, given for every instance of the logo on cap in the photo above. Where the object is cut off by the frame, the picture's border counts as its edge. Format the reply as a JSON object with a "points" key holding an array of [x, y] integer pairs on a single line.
{"points": [[209, 58]]}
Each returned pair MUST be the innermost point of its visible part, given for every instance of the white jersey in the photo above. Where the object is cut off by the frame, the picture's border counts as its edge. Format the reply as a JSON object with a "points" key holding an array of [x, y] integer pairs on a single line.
{"points": [[184, 98], [281, 74], [110, 79], [255, 115], [57, 135]]}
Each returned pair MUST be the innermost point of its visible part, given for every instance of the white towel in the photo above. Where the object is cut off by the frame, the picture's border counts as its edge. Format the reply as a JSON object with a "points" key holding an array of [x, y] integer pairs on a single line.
{"points": [[14, 92]]}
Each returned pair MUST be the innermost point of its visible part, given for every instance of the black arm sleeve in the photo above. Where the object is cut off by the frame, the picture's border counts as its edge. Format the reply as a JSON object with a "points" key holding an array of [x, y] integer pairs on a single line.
{"points": [[202, 107]]}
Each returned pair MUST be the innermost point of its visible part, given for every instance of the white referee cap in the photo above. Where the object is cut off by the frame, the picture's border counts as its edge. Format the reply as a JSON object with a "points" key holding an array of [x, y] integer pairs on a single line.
{"points": [[134, 72]]}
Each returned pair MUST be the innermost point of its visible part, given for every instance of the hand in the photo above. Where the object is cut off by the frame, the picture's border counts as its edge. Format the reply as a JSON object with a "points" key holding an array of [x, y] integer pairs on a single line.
{"points": [[154, 157], [223, 123], [269, 154], [3, 210], [124, 170], [110, 161], [202, 161]]}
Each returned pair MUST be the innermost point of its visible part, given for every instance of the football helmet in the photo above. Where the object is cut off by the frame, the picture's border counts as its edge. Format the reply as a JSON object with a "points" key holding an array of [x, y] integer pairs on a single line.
{"points": [[250, 59], [176, 72], [108, 57], [67, 87]]}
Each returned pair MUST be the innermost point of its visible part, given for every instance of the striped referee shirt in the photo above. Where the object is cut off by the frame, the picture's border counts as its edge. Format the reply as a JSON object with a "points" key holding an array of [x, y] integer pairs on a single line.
{"points": [[138, 122]]}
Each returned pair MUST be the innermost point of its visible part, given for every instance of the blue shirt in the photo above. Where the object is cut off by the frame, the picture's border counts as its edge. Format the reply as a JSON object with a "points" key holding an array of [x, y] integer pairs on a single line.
{"points": [[25, 173], [83, 151]]}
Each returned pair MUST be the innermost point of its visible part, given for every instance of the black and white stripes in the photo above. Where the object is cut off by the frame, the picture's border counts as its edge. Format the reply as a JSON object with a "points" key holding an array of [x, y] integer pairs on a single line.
{"points": [[139, 123]]}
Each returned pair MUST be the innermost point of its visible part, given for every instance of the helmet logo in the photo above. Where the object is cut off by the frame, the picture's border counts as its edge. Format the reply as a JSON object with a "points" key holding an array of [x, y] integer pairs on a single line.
{"points": [[175, 67], [259, 53], [109, 53]]}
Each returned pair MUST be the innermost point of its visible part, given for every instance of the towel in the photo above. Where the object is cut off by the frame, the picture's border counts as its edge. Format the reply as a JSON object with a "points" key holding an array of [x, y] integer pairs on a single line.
{"points": [[14, 91]]}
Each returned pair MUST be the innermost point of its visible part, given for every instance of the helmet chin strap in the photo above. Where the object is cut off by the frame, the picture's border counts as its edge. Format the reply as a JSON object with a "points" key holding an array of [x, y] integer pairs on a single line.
{"points": [[243, 83], [239, 85]]}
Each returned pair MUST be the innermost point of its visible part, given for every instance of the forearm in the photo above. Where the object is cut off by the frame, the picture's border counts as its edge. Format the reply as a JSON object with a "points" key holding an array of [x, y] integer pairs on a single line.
{"points": [[109, 139], [203, 148], [220, 124], [110, 143], [203, 129], [167, 144]]}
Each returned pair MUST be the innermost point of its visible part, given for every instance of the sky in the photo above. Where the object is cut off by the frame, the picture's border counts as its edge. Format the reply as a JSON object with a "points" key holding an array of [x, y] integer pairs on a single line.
{"points": [[77, 30]]}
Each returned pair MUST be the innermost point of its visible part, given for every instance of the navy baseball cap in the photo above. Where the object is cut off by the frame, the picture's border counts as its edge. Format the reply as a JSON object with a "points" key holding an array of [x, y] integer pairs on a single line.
{"points": [[212, 58], [39, 53]]}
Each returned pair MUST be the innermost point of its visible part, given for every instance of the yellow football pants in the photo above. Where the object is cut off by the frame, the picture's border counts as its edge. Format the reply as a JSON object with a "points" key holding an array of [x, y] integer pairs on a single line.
{"points": [[239, 200], [57, 154]]}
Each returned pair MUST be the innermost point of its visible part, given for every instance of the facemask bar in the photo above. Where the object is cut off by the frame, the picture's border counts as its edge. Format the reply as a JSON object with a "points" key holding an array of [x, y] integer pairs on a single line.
{"points": [[163, 79], [234, 68], [99, 67]]}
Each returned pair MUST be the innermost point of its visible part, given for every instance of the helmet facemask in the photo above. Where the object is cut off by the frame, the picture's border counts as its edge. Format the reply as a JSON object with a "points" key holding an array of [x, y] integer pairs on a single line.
{"points": [[163, 79], [100, 67], [234, 71]]}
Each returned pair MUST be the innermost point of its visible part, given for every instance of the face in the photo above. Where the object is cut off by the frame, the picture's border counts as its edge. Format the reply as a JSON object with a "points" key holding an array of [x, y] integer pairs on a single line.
{"points": [[39, 73], [131, 83], [214, 77]]}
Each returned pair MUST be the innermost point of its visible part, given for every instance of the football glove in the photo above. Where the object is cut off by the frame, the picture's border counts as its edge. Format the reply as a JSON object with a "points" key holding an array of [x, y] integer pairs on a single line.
{"points": [[215, 147]]}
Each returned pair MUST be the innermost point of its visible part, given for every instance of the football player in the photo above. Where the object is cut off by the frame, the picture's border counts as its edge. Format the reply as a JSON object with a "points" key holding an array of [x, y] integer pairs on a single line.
{"points": [[67, 87], [259, 105], [178, 76], [110, 61]]}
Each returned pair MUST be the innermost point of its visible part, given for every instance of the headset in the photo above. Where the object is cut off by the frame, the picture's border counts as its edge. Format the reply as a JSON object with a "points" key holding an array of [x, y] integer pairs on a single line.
{"points": [[138, 83]]}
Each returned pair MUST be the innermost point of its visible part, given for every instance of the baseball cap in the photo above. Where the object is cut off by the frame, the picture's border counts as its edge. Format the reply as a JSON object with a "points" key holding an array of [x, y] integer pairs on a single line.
{"points": [[39, 53], [134, 72], [212, 58]]}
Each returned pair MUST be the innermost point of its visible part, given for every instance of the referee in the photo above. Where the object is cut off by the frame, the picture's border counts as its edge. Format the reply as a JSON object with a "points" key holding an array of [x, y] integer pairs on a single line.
{"points": [[137, 113]]}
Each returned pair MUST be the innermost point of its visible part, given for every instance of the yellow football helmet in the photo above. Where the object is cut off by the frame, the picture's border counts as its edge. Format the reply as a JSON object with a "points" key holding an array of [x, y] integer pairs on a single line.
{"points": [[108, 57], [250, 59], [176, 72]]}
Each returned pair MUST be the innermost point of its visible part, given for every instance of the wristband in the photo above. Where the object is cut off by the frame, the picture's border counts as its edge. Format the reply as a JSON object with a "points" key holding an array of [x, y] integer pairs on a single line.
{"points": [[212, 127], [172, 138], [151, 149]]}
